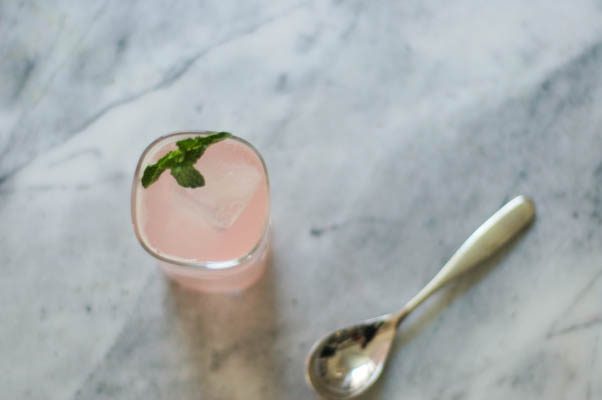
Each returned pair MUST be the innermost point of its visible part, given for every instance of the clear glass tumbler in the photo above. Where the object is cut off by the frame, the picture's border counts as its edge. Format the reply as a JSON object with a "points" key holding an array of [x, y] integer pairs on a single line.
{"points": [[213, 238]]}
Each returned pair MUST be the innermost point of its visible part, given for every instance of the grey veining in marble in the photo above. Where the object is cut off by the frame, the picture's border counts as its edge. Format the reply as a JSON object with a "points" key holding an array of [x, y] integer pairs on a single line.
{"points": [[390, 130]]}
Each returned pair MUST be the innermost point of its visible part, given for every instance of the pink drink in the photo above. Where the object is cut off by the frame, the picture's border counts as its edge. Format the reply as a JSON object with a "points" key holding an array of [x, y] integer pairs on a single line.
{"points": [[212, 238]]}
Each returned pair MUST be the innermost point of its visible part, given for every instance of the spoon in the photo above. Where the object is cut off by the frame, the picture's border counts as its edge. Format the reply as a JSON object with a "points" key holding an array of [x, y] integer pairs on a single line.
{"points": [[345, 363]]}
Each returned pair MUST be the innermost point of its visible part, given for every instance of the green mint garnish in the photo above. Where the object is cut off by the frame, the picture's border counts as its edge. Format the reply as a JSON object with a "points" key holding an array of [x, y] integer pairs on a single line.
{"points": [[181, 161]]}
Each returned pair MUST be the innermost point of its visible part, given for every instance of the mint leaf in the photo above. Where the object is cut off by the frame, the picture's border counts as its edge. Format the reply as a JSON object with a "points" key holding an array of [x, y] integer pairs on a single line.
{"points": [[151, 174], [187, 176], [181, 161]]}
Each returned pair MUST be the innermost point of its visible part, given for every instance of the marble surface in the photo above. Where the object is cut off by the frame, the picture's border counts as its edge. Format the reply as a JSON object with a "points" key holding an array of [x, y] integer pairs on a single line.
{"points": [[390, 129]]}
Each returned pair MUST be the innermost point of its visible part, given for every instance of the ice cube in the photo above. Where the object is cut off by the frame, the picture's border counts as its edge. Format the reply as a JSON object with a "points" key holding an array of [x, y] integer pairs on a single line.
{"points": [[228, 189]]}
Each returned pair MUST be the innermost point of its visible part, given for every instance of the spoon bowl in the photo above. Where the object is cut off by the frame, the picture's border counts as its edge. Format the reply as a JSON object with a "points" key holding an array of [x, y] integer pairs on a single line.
{"points": [[347, 362]]}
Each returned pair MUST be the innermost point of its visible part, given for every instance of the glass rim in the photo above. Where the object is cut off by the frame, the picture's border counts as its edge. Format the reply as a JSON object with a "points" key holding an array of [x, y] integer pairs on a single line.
{"points": [[222, 266]]}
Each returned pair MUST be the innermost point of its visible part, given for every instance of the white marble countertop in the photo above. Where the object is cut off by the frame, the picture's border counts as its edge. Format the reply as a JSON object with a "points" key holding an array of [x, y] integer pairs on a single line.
{"points": [[391, 130]]}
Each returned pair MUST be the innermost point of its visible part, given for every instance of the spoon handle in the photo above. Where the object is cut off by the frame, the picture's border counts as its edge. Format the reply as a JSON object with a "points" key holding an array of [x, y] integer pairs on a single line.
{"points": [[486, 240]]}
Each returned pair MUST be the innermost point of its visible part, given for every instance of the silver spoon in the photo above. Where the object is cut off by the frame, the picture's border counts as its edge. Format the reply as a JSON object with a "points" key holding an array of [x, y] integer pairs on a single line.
{"points": [[347, 362]]}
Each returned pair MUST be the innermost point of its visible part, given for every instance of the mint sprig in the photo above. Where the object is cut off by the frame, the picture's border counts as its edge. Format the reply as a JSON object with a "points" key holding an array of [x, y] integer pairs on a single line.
{"points": [[181, 161]]}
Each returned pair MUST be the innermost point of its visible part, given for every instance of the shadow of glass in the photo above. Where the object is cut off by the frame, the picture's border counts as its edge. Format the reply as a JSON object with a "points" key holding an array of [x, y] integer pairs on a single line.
{"points": [[230, 338]]}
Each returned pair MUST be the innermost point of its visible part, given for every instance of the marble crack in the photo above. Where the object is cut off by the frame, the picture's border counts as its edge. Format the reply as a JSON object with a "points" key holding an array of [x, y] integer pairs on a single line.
{"points": [[172, 76], [320, 230], [118, 336], [354, 22], [61, 187], [572, 71], [179, 70], [46, 86], [84, 152], [23, 76], [298, 102], [595, 320], [577, 327], [592, 368], [595, 195]]}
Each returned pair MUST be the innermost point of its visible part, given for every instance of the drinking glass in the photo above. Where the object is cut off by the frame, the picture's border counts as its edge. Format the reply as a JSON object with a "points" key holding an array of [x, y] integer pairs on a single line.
{"points": [[213, 238]]}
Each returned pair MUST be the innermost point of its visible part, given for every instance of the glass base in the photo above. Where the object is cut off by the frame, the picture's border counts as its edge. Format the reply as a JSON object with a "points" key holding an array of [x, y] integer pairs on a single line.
{"points": [[228, 280]]}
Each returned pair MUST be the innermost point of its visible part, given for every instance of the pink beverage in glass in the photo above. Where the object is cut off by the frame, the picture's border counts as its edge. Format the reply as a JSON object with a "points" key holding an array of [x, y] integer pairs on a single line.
{"points": [[213, 238]]}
